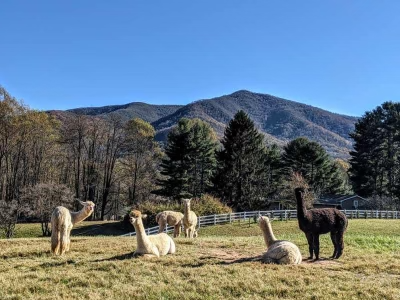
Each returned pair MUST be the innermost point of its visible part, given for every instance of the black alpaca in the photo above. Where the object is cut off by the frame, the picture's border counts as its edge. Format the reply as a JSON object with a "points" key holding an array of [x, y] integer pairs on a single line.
{"points": [[320, 221]]}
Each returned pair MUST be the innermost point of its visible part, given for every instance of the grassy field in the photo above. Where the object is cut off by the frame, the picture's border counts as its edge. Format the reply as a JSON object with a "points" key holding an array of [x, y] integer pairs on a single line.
{"points": [[220, 264]]}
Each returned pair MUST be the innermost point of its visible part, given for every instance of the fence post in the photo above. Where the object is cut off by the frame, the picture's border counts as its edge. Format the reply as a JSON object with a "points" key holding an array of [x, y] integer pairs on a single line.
{"points": [[215, 219], [230, 217], [199, 222]]}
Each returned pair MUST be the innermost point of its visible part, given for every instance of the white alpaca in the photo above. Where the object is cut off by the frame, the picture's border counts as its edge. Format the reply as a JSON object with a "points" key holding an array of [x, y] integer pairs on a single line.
{"points": [[153, 245], [279, 252], [62, 221], [189, 220], [171, 218]]}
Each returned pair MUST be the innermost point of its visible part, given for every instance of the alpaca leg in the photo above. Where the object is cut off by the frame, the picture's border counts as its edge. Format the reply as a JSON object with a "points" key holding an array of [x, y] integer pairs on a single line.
{"points": [[335, 245], [63, 240], [186, 232], [161, 228], [190, 233], [68, 239], [179, 226], [316, 246], [177, 229], [340, 244], [310, 240]]}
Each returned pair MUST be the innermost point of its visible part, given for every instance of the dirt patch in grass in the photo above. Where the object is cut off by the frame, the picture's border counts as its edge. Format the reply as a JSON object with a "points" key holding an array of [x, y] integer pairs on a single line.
{"points": [[321, 262], [226, 255]]}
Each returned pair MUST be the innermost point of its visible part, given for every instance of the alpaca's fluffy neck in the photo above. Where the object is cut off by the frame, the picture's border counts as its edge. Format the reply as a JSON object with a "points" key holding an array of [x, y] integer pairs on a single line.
{"points": [[78, 216], [141, 236], [268, 234], [301, 207], [187, 210]]}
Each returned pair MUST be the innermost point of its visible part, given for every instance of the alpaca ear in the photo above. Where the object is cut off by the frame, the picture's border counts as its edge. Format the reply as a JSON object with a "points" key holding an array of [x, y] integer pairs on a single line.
{"points": [[144, 216], [81, 202]]}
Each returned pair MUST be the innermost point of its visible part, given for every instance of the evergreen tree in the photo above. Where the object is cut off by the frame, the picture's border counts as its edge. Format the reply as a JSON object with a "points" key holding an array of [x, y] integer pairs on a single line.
{"points": [[272, 165], [313, 163], [375, 165], [190, 159], [242, 178]]}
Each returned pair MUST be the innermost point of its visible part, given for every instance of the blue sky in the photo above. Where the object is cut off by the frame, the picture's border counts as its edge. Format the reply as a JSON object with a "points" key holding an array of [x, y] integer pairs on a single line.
{"points": [[340, 55]]}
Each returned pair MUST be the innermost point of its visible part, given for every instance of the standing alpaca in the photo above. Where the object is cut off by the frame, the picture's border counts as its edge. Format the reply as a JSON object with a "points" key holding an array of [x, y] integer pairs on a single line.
{"points": [[189, 220], [62, 221], [153, 245], [279, 252], [318, 221], [171, 218]]}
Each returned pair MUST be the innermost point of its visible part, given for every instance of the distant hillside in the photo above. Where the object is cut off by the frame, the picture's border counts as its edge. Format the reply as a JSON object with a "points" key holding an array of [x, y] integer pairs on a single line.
{"points": [[147, 112], [279, 119]]}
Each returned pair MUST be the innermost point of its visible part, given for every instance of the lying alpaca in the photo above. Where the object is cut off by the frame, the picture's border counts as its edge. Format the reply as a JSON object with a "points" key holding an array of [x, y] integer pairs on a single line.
{"points": [[153, 245], [62, 221], [189, 220], [278, 252], [320, 221], [171, 218]]}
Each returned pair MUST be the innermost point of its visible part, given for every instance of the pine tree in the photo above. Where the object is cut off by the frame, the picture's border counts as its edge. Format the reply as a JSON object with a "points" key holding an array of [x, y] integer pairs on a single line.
{"points": [[190, 159], [242, 179], [375, 164], [313, 163]]}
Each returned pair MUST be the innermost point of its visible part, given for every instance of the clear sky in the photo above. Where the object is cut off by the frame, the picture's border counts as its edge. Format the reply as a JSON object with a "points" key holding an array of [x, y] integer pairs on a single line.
{"points": [[339, 55]]}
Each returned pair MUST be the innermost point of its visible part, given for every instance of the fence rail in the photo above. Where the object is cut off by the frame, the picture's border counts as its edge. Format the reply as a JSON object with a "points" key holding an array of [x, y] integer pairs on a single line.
{"points": [[282, 215]]}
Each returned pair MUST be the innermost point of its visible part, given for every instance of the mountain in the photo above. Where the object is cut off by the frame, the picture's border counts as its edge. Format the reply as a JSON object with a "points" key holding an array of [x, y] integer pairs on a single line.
{"points": [[147, 112], [279, 119]]}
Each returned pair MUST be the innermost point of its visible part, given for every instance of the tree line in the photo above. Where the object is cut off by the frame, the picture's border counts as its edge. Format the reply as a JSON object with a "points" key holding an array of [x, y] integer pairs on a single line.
{"points": [[47, 161]]}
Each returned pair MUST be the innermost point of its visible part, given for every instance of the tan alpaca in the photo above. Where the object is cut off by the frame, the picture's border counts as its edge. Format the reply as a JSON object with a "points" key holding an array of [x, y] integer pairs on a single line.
{"points": [[62, 221], [189, 220], [171, 218], [153, 245], [278, 252]]}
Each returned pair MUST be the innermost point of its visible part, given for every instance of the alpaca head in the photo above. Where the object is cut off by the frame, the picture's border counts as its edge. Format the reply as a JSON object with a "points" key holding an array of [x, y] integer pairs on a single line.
{"points": [[263, 220], [88, 206], [186, 202], [135, 216], [299, 192]]}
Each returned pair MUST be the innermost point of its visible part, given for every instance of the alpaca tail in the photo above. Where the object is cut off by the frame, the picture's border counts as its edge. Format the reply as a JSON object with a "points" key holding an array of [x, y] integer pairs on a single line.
{"points": [[55, 236], [55, 240]]}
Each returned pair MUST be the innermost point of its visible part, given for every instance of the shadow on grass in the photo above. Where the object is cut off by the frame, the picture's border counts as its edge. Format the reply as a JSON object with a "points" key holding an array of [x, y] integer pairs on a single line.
{"points": [[240, 260], [33, 254], [106, 229], [117, 257], [218, 260], [58, 263]]}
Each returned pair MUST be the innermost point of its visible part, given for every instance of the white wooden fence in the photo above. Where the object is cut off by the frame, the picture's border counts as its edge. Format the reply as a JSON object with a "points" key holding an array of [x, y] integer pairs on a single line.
{"points": [[282, 215]]}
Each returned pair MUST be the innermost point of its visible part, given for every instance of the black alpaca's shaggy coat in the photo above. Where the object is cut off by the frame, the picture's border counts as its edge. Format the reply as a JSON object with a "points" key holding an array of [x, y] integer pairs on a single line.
{"points": [[318, 221]]}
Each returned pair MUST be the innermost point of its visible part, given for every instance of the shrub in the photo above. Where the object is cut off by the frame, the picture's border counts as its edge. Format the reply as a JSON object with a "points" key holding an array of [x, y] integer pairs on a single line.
{"points": [[206, 205], [209, 205]]}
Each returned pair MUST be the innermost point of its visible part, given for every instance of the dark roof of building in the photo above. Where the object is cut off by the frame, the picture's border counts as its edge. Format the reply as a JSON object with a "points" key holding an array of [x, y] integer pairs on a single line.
{"points": [[336, 199]]}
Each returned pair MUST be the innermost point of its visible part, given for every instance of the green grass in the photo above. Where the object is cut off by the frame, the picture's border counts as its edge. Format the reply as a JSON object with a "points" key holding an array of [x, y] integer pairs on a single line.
{"points": [[218, 265]]}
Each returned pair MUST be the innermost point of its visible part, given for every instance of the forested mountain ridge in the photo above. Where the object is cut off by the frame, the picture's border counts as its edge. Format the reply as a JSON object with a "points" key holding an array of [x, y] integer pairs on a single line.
{"points": [[147, 112], [279, 119]]}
